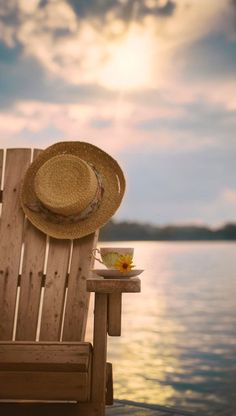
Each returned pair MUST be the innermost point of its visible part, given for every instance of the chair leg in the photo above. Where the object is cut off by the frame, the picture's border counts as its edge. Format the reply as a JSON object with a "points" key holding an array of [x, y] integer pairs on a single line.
{"points": [[109, 384]]}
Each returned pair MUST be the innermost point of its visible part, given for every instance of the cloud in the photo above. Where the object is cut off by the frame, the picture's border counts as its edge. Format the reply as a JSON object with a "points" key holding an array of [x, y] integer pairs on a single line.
{"points": [[96, 123], [114, 53], [229, 195], [123, 123], [204, 121], [213, 57], [123, 9], [24, 79], [9, 55]]}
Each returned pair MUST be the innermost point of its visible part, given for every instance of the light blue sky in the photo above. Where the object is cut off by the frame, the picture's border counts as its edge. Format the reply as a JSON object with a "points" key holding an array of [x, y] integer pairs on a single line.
{"points": [[152, 82]]}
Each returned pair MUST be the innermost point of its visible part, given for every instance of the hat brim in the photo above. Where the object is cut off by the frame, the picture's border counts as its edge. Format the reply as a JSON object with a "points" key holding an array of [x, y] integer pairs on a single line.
{"points": [[112, 179]]}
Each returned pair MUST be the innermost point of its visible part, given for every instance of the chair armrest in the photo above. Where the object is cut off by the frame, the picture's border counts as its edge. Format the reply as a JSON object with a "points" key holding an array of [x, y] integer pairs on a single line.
{"points": [[98, 285], [113, 289]]}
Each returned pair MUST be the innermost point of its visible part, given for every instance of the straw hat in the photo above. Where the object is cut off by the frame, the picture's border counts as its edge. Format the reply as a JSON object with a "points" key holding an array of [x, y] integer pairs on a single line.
{"points": [[71, 189]]}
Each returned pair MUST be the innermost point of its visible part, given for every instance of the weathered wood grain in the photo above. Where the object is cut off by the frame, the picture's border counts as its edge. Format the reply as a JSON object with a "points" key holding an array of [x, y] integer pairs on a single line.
{"points": [[55, 286], [11, 232], [109, 384], [44, 385], [100, 285], [114, 314], [31, 283], [45, 356], [31, 280], [100, 348], [77, 304], [1, 167]]}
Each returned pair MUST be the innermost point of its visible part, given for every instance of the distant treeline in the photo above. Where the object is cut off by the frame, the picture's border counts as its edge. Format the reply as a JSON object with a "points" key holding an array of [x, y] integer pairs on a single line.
{"points": [[118, 231]]}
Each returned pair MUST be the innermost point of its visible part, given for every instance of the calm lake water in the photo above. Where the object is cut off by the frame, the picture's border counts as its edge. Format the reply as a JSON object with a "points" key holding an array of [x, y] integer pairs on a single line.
{"points": [[178, 343]]}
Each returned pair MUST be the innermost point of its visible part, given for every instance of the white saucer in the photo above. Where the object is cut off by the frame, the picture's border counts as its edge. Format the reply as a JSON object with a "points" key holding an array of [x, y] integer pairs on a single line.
{"points": [[111, 273]]}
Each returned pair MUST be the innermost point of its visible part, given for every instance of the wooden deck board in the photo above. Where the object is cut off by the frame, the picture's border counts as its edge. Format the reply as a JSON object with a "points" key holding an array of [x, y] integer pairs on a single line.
{"points": [[121, 408]]}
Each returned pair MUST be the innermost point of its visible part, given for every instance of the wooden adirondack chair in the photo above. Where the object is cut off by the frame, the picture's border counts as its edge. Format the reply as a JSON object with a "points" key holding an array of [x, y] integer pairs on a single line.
{"points": [[46, 368]]}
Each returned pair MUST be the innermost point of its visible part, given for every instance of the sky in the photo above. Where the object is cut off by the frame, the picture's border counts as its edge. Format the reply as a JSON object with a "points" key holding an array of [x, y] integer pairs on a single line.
{"points": [[151, 82]]}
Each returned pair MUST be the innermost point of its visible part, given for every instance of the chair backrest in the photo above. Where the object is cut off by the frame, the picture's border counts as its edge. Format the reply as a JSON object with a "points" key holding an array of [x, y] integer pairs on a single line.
{"points": [[42, 280]]}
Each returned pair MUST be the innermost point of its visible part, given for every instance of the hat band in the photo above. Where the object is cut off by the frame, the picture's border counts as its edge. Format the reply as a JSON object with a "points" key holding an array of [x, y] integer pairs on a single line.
{"points": [[55, 218]]}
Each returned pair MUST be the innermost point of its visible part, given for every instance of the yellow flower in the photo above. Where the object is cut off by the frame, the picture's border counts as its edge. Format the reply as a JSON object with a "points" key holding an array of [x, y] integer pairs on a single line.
{"points": [[124, 263]]}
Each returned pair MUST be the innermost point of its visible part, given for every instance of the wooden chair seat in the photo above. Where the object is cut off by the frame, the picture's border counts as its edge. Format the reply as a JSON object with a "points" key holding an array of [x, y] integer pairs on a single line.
{"points": [[45, 370]]}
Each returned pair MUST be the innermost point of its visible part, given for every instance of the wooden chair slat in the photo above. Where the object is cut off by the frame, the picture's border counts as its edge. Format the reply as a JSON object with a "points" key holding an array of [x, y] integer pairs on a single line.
{"points": [[44, 385], [1, 165], [55, 285], [31, 281], [77, 304], [44, 356], [12, 223]]}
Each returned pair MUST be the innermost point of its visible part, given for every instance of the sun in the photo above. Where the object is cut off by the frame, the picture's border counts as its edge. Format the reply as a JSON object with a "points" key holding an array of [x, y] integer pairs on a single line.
{"points": [[129, 65]]}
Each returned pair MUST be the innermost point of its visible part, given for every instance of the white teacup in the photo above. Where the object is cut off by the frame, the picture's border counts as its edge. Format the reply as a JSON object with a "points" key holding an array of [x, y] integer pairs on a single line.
{"points": [[111, 255]]}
